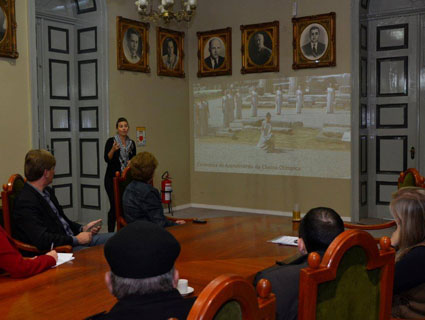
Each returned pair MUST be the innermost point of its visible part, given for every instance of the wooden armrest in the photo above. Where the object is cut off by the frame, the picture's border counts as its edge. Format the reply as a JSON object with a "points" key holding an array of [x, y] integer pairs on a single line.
{"points": [[122, 221], [369, 226], [27, 247]]}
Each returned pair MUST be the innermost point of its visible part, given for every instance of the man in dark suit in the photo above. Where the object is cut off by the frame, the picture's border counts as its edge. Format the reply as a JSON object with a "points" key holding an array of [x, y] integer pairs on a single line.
{"points": [[317, 230], [314, 48], [38, 217], [143, 278], [214, 60], [258, 52]]}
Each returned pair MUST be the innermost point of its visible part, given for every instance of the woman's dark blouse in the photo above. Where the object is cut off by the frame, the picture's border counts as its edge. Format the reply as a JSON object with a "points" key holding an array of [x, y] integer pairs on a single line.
{"points": [[114, 163], [410, 270]]}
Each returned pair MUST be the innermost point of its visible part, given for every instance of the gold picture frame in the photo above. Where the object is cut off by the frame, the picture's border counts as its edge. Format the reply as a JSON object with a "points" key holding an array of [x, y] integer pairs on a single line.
{"points": [[260, 47], [170, 53], [8, 29], [215, 52], [314, 41], [132, 45]]}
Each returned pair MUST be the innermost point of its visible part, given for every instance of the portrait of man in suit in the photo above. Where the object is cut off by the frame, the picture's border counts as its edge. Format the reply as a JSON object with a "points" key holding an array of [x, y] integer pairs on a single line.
{"points": [[132, 45], [3, 24], [260, 48], [313, 47], [215, 48], [170, 54]]}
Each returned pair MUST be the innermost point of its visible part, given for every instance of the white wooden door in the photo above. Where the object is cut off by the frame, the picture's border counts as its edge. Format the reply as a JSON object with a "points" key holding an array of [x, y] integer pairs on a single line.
{"points": [[389, 110]]}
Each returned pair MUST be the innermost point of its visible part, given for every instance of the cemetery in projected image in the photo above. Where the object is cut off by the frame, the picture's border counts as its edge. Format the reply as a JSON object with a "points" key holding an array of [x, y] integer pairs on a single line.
{"points": [[295, 126]]}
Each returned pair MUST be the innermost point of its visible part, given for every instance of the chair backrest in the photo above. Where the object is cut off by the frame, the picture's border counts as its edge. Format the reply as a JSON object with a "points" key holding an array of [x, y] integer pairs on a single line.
{"points": [[230, 296], [410, 178], [354, 280], [10, 190], [120, 182]]}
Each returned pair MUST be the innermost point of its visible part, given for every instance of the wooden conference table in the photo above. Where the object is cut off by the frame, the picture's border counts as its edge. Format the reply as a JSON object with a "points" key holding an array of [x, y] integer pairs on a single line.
{"points": [[76, 289]]}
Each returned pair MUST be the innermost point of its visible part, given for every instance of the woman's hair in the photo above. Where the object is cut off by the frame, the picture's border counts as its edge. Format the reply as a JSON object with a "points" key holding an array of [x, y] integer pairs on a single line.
{"points": [[408, 209], [143, 166], [122, 119]]}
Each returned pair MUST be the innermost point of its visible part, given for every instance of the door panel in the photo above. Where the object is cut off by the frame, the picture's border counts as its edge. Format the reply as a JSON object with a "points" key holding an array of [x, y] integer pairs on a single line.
{"points": [[392, 102]]}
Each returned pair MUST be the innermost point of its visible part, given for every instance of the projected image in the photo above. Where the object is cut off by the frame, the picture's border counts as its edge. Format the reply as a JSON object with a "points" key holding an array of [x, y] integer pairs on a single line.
{"points": [[295, 126]]}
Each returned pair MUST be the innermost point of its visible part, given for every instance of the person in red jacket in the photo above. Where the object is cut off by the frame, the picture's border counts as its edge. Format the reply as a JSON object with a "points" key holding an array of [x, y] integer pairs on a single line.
{"points": [[13, 263]]}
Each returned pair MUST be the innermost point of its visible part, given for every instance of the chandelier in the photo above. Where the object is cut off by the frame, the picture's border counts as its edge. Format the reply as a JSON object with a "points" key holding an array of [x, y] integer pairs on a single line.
{"points": [[165, 10]]}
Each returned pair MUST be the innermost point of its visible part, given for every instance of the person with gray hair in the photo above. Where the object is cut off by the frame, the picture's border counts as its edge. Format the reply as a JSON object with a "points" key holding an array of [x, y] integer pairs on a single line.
{"points": [[143, 278]]}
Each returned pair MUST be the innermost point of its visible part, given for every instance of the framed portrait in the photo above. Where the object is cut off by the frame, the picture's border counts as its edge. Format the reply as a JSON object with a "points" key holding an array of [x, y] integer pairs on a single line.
{"points": [[84, 6], [260, 47], [8, 29], [132, 45], [170, 54], [314, 41], [215, 52]]}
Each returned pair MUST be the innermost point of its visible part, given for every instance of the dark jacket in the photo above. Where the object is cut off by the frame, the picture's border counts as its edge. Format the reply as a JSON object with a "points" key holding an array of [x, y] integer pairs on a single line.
{"points": [[158, 306], [409, 285], [141, 201], [208, 62], [308, 51], [35, 222], [285, 285], [114, 163]]}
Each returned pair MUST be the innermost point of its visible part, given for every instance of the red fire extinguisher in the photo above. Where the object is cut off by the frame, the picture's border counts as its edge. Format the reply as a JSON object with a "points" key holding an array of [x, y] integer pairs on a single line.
{"points": [[166, 189]]}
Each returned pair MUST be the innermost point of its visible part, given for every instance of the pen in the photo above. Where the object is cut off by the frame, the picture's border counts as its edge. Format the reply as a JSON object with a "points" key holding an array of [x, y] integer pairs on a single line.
{"points": [[51, 247]]}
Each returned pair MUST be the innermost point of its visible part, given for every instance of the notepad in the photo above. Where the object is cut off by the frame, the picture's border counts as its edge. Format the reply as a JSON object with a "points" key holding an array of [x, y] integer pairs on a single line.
{"points": [[64, 257], [286, 240]]}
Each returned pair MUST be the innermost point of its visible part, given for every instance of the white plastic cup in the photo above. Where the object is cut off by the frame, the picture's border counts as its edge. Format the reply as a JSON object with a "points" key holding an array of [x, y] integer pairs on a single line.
{"points": [[182, 285]]}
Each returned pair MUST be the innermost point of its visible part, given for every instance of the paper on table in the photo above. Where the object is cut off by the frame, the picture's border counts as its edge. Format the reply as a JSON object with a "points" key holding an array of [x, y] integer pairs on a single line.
{"points": [[287, 240], [63, 257]]}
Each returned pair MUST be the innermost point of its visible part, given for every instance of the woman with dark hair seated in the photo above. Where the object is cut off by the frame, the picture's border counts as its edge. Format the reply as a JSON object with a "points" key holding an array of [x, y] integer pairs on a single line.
{"points": [[408, 209], [141, 201], [13, 263]]}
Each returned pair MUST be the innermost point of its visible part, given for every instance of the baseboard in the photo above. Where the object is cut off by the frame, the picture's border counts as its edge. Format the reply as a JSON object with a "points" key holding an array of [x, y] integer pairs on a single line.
{"points": [[238, 209]]}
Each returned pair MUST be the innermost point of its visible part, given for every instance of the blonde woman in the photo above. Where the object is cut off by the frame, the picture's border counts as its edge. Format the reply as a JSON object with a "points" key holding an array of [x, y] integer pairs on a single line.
{"points": [[408, 209]]}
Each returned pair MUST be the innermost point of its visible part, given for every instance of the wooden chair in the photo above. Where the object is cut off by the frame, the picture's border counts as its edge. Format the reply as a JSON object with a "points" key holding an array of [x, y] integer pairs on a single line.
{"points": [[354, 280], [410, 178], [230, 296], [10, 191], [120, 182]]}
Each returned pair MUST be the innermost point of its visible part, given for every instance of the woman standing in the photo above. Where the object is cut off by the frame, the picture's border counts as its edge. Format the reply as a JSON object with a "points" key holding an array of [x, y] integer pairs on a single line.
{"points": [[118, 152], [408, 209]]}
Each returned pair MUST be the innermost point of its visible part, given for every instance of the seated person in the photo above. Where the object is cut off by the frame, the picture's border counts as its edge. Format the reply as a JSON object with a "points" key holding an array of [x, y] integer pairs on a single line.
{"points": [[143, 277], [408, 210], [318, 228], [38, 218], [13, 263], [141, 201]]}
